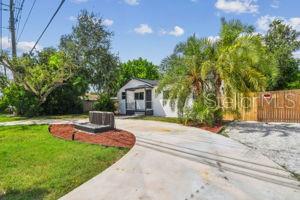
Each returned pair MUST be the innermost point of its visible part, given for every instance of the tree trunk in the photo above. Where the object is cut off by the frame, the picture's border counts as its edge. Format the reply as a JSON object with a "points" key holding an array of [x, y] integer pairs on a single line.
{"points": [[218, 90]]}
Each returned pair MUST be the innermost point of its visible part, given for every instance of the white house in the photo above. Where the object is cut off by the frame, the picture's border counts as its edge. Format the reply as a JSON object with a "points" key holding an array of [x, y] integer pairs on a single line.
{"points": [[139, 96]]}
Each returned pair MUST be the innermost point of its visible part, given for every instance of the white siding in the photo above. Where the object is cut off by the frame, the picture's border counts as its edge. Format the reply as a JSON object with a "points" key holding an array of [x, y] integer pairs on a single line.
{"points": [[130, 84], [159, 109]]}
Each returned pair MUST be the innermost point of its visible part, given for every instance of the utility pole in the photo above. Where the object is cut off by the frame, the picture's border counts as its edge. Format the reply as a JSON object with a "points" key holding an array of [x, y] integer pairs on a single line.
{"points": [[1, 49], [12, 28]]}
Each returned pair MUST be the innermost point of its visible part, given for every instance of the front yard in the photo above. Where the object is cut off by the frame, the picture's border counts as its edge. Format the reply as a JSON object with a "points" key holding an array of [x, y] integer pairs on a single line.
{"points": [[35, 165]]}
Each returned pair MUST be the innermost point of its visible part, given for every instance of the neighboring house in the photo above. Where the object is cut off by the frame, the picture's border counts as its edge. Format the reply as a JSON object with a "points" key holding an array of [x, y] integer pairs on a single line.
{"points": [[139, 96]]}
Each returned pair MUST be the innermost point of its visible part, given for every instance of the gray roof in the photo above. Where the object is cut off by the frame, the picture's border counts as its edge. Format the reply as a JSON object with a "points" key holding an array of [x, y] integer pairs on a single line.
{"points": [[150, 82], [139, 87]]}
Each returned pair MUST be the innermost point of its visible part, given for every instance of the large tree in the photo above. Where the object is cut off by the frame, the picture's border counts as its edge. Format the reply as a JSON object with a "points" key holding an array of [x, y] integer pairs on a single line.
{"points": [[282, 41], [89, 45], [38, 75], [65, 99], [137, 68]]}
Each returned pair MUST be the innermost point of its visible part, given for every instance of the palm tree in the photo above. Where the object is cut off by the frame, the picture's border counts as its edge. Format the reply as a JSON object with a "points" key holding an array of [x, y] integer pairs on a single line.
{"points": [[242, 63], [183, 71], [238, 63]]}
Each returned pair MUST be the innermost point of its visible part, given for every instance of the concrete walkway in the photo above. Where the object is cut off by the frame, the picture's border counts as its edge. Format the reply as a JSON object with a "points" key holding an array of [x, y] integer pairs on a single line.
{"points": [[171, 161], [42, 122]]}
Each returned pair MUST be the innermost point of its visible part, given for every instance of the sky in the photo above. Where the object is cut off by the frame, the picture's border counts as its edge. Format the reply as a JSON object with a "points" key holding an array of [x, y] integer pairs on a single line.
{"points": [[148, 28]]}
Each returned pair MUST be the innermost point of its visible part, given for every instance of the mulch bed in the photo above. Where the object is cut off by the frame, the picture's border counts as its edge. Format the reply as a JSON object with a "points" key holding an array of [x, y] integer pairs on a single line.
{"points": [[112, 138], [214, 129]]}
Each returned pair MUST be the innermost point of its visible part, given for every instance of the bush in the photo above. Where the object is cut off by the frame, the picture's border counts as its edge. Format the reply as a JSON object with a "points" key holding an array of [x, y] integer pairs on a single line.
{"points": [[104, 103], [203, 111], [63, 100], [19, 101]]}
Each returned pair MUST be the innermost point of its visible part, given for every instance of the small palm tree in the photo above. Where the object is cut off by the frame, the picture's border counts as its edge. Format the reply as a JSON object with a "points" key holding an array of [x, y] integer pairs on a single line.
{"points": [[183, 71]]}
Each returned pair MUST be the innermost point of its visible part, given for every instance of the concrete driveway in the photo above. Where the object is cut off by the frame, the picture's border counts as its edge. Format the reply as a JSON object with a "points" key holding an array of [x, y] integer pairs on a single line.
{"points": [[171, 161]]}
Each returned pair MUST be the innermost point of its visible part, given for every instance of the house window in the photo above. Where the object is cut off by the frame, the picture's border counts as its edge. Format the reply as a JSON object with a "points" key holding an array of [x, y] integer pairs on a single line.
{"points": [[139, 96], [123, 95]]}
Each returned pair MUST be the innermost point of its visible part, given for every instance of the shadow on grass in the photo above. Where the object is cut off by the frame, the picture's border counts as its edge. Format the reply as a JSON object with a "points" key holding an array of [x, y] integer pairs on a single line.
{"points": [[35, 193]]}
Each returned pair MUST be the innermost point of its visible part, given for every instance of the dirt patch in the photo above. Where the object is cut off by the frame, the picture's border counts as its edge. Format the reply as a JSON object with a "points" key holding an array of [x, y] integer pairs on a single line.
{"points": [[112, 138]]}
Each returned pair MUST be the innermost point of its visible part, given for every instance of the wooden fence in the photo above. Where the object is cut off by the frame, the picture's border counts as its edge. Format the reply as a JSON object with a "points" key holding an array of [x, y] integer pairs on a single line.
{"points": [[274, 106], [88, 105]]}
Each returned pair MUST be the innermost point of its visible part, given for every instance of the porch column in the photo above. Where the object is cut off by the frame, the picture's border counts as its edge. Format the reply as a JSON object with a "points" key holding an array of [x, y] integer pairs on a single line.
{"points": [[126, 101], [145, 99]]}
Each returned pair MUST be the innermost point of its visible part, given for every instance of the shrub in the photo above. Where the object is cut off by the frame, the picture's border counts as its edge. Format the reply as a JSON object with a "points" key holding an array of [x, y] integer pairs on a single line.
{"points": [[64, 100], [104, 103], [203, 111], [19, 101]]}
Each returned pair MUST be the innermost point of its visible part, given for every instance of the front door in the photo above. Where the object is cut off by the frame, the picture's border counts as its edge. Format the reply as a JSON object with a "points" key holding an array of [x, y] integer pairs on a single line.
{"points": [[139, 101]]}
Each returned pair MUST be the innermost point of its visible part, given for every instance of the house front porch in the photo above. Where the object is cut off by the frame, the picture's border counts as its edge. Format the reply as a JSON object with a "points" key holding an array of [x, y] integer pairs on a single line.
{"points": [[138, 100]]}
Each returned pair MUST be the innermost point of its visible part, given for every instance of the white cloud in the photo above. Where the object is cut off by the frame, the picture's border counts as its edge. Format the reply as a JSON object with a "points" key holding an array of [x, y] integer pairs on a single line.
{"points": [[264, 21], [143, 29], [297, 54], [162, 32], [72, 18], [79, 1], [275, 4], [177, 31], [295, 23], [237, 6], [132, 2], [108, 22], [23, 46], [5, 43]]}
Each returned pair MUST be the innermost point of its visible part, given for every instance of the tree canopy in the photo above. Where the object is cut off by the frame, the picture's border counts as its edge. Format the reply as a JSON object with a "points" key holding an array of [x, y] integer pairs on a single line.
{"points": [[137, 68], [243, 63], [42, 73], [238, 62], [282, 40], [89, 45]]}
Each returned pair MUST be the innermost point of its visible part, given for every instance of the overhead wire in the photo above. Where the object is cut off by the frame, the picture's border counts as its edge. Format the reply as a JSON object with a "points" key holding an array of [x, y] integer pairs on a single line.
{"points": [[26, 20], [53, 16]]}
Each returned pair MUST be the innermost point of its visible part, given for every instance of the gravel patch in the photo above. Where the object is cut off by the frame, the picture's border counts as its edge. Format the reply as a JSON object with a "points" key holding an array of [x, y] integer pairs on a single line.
{"points": [[278, 141]]}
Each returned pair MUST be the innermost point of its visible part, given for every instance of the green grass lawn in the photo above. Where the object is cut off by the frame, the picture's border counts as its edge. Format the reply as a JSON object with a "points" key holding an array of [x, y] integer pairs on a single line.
{"points": [[35, 165], [9, 118]]}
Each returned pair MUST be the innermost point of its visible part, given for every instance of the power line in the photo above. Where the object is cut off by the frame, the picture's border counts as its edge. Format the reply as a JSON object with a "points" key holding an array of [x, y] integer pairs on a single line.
{"points": [[19, 16], [4, 4], [59, 7], [20, 10], [27, 18]]}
